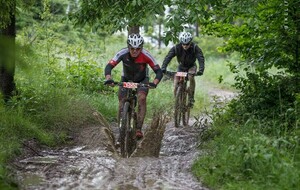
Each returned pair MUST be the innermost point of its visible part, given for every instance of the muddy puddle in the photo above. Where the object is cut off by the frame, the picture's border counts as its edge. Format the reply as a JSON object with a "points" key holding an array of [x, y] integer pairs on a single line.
{"points": [[161, 162]]}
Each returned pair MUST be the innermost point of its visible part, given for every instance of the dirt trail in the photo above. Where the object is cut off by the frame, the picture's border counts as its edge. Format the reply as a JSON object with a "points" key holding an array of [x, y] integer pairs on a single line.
{"points": [[162, 161]]}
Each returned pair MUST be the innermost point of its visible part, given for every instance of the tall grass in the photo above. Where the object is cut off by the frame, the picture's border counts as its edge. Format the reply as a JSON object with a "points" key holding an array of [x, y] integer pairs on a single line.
{"points": [[244, 158], [217, 72], [49, 103]]}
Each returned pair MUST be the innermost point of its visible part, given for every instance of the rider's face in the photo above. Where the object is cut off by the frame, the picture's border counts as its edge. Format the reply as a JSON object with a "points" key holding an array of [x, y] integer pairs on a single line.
{"points": [[186, 46], [134, 52]]}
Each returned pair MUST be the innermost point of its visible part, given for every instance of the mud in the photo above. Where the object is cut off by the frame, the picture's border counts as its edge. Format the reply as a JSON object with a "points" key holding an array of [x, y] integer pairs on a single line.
{"points": [[162, 160]]}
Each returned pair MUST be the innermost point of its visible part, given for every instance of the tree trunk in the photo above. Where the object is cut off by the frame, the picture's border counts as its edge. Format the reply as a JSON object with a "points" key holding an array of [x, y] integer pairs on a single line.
{"points": [[133, 30], [159, 36], [197, 29], [7, 59]]}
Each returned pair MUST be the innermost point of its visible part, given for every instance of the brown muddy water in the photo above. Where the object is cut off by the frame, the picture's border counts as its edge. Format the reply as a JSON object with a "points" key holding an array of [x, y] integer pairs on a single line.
{"points": [[161, 162], [100, 167]]}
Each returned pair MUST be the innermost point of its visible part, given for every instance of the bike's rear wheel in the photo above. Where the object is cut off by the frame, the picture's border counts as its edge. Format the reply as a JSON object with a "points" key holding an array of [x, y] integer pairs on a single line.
{"points": [[178, 106]]}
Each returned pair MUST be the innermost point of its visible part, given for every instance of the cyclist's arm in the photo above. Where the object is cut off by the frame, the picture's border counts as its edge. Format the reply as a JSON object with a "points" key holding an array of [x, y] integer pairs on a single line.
{"points": [[168, 58], [200, 58], [113, 62], [154, 66], [159, 74], [107, 71]]}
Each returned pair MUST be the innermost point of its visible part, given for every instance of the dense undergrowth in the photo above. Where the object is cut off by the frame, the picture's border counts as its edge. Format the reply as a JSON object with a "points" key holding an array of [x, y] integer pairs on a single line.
{"points": [[254, 141]]}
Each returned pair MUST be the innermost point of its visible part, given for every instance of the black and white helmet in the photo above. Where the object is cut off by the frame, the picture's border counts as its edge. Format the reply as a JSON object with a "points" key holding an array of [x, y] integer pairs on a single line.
{"points": [[135, 40], [185, 37]]}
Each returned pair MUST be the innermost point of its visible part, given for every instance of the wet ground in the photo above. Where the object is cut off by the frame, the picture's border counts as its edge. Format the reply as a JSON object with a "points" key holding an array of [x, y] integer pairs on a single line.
{"points": [[161, 162]]}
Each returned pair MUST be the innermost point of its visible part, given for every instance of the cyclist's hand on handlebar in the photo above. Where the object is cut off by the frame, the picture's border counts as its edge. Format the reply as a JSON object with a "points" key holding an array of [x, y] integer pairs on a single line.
{"points": [[170, 73], [152, 85], [109, 82], [199, 73]]}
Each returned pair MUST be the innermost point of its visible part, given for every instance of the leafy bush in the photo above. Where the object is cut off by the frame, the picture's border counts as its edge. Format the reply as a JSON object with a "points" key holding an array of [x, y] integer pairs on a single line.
{"points": [[87, 76], [210, 46], [248, 148], [242, 157], [270, 98]]}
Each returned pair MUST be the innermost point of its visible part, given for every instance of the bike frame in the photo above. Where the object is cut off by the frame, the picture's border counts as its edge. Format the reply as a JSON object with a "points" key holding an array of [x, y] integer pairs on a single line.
{"points": [[182, 107], [128, 118]]}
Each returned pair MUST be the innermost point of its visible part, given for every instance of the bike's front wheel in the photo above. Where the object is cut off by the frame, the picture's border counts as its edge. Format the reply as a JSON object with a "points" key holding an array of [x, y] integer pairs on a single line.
{"points": [[124, 131], [178, 106], [127, 132], [186, 109]]}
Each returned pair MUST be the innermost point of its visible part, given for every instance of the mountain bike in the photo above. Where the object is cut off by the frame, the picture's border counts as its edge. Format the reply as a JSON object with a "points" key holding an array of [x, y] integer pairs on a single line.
{"points": [[128, 118], [183, 102]]}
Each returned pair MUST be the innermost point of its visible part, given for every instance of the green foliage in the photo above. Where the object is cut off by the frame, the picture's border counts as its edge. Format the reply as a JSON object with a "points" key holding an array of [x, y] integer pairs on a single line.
{"points": [[210, 46], [5, 183], [240, 157], [266, 34], [297, 110], [114, 16], [267, 96], [263, 152], [160, 99], [7, 7], [217, 72], [247, 148], [15, 129], [85, 77]]}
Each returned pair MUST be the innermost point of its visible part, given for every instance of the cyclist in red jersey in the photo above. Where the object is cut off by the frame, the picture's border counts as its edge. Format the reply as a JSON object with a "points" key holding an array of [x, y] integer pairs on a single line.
{"points": [[135, 61]]}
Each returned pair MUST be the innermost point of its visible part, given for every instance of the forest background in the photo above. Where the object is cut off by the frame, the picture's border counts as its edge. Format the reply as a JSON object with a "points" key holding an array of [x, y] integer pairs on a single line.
{"points": [[61, 47]]}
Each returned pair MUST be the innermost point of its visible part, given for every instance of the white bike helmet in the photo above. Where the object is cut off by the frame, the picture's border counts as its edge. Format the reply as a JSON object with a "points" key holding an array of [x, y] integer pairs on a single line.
{"points": [[185, 37], [135, 40]]}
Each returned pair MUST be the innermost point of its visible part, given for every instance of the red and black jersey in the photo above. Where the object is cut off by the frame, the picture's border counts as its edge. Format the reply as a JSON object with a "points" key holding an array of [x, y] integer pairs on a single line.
{"points": [[134, 69]]}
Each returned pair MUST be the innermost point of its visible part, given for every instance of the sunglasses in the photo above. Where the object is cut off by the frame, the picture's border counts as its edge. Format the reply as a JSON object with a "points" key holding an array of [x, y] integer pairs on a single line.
{"points": [[137, 49], [186, 44]]}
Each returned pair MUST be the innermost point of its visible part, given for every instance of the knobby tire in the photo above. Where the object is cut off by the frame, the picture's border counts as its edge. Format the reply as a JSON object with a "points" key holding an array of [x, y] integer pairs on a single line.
{"points": [[178, 106], [128, 130], [185, 107], [125, 125]]}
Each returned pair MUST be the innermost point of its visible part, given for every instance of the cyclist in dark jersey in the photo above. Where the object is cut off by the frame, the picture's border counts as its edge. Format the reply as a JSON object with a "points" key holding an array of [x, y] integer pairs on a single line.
{"points": [[187, 52], [135, 61]]}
